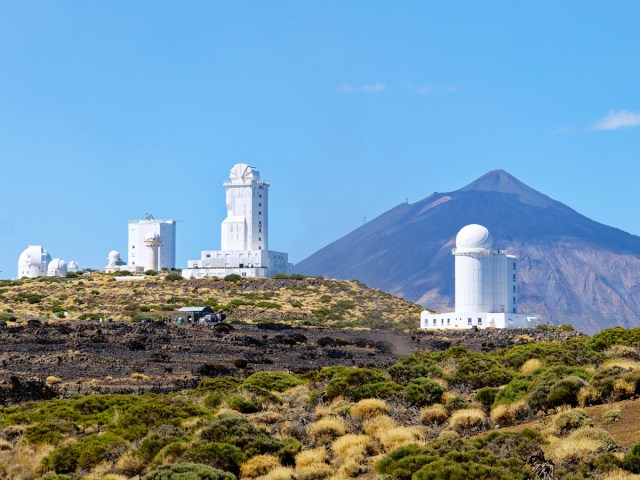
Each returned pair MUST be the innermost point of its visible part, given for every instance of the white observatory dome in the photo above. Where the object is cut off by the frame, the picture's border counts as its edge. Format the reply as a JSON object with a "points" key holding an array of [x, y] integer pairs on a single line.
{"points": [[57, 268], [33, 262], [474, 237], [72, 266], [243, 173], [114, 259]]}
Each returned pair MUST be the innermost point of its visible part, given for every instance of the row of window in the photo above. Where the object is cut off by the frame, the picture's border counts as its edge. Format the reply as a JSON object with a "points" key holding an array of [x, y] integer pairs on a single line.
{"points": [[469, 321]]}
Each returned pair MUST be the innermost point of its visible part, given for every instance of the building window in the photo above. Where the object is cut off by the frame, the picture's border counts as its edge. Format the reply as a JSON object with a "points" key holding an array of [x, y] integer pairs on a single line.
{"points": [[259, 239], [442, 321], [259, 204], [259, 213], [434, 321], [514, 299], [514, 310], [514, 277], [208, 255], [448, 321], [514, 265], [514, 289], [479, 321], [469, 321]]}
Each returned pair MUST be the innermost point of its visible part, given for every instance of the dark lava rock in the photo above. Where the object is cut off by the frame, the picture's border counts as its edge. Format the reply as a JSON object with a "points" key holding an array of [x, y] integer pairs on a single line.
{"points": [[212, 370]]}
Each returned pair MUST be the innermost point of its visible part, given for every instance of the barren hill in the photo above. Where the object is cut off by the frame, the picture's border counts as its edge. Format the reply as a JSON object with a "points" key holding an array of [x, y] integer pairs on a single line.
{"points": [[572, 269]]}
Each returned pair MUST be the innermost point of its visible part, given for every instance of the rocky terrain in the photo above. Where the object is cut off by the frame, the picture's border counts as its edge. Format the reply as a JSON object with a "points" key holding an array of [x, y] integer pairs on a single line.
{"points": [[572, 269], [125, 356]]}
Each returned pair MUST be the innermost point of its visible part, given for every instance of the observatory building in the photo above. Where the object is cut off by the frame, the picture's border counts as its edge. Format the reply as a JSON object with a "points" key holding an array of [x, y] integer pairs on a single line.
{"points": [[152, 246], [35, 261], [244, 233], [486, 286]]}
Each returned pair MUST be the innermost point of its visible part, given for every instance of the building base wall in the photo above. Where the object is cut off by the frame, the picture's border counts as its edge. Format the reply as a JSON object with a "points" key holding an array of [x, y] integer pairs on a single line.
{"points": [[469, 320], [246, 263]]}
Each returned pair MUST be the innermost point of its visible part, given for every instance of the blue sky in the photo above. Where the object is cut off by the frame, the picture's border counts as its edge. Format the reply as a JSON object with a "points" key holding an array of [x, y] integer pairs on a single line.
{"points": [[110, 109]]}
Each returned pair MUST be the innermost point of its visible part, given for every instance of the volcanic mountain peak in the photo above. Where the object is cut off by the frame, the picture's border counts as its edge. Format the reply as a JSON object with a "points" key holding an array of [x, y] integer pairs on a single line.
{"points": [[501, 181]]}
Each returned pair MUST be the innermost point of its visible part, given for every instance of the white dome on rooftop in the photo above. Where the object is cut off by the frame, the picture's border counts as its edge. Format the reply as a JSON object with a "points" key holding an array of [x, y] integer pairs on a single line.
{"points": [[33, 262], [474, 236], [243, 173], [114, 254]]}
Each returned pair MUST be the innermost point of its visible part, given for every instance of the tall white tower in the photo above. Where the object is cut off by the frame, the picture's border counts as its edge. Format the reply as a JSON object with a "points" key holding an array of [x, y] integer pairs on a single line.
{"points": [[485, 278], [137, 249], [486, 286], [245, 227], [152, 242]]}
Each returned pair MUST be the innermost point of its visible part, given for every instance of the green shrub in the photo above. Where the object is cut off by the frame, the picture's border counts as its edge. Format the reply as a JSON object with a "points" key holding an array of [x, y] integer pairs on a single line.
{"points": [[151, 445], [486, 396], [243, 404], [359, 383], [297, 276], [273, 381], [50, 431], [151, 273], [631, 460], [63, 459], [5, 317], [233, 278], [423, 392], [565, 392], [614, 336], [188, 471], [219, 455], [235, 430], [280, 276], [173, 277]]}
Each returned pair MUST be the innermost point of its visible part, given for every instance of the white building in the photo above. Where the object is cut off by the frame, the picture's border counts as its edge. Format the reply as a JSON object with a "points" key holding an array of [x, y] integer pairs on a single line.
{"points": [[143, 252], [244, 233], [33, 262], [486, 286], [152, 246]]}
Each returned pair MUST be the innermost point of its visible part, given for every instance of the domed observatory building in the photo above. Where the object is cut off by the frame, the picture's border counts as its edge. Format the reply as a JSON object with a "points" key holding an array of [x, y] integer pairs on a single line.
{"points": [[486, 291], [33, 262], [57, 268], [114, 262], [244, 248]]}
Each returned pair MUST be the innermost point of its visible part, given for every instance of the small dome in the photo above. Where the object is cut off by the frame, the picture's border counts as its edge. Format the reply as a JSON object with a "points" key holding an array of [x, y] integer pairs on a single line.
{"points": [[152, 236], [57, 268], [34, 255], [474, 236], [72, 266], [114, 254]]}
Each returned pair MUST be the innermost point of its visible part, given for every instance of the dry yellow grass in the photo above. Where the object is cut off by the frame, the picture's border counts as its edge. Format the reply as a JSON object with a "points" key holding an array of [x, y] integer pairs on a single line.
{"points": [[624, 388], [503, 415], [140, 376], [566, 420], [581, 445], [130, 465], [619, 474], [52, 380], [530, 366], [23, 462], [369, 408], [466, 419], [280, 473], [587, 396], [434, 414], [311, 457], [316, 471], [379, 424], [351, 445], [327, 429], [624, 363], [401, 436], [259, 465]]}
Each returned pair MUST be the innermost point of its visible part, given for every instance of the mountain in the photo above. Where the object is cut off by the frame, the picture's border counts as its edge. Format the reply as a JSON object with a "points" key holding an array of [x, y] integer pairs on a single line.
{"points": [[572, 269]]}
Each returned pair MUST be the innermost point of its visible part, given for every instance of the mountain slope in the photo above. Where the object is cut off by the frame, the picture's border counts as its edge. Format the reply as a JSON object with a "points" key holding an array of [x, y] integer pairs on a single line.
{"points": [[572, 269]]}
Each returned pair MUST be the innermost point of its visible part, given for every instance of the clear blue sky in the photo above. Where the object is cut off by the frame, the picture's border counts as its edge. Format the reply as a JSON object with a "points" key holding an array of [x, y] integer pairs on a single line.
{"points": [[110, 109]]}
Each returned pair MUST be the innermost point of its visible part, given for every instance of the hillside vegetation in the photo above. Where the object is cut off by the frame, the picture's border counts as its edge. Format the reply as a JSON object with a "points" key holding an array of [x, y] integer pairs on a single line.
{"points": [[303, 301], [431, 415]]}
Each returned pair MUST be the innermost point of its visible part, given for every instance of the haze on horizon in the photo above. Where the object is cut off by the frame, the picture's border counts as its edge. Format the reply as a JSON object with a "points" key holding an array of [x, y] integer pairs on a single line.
{"points": [[109, 110]]}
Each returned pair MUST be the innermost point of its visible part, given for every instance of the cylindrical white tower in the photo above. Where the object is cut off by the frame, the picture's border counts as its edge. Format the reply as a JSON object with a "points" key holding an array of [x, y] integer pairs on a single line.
{"points": [[475, 270], [152, 243]]}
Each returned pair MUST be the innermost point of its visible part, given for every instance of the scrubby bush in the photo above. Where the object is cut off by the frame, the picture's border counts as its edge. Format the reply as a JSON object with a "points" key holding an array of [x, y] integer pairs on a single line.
{"points": [[326, 429], [188, 471], [467, 419], [259, 465], [567, 420], [614, 336], [611, 416], [435, 414], [173, 277], [423, 392], [486, 396], [242, 404], [369, 408], [273, 381], [565, 392], [233, 278], [86, 454], [358, 383], [631, 460], [581, 446]]}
